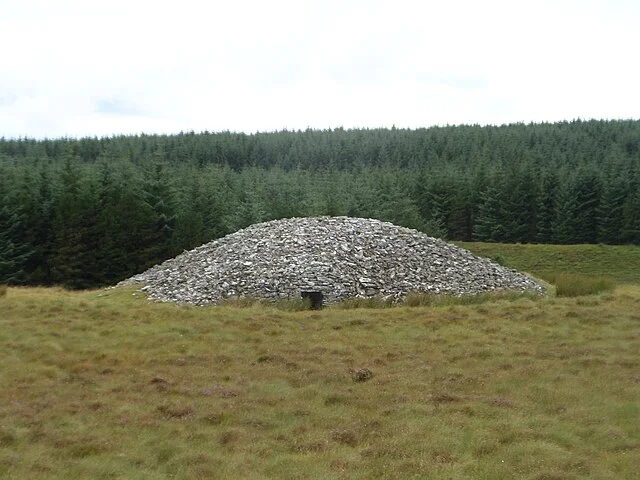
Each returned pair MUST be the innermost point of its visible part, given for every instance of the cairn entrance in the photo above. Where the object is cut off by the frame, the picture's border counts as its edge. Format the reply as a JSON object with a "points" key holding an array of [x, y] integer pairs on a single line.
{"points": [[316, 299]]}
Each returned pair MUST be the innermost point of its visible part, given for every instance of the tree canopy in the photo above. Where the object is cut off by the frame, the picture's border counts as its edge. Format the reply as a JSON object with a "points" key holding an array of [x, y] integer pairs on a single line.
{"points": [[91, 211]]}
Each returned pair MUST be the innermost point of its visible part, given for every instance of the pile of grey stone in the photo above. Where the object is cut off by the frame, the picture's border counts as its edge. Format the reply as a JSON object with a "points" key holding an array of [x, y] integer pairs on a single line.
{"points": [[333, 257]]}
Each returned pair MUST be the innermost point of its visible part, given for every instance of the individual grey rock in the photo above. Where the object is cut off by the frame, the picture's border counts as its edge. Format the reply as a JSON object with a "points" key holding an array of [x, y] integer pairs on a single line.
{"points": [[340, 257]]}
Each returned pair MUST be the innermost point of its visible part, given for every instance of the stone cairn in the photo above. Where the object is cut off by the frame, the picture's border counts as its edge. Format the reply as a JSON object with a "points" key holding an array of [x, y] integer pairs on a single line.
{"points": [[326, 258]]}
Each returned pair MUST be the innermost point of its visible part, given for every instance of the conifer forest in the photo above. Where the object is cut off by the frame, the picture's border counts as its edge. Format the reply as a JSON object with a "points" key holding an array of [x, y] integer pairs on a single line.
{"points": [[89, 212]]}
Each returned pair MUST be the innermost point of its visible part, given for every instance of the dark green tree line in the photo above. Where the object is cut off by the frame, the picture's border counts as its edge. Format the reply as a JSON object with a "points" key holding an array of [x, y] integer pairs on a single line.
{"points": [[92, 211]]}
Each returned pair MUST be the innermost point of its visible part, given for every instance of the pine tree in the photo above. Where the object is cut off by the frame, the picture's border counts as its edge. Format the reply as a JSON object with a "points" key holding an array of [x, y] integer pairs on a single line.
{"points": [[159, 212], [434, 196], [460, 219], [202, 214], [111, 226], [16, 242], [490, 221], [631, 216], [73, 256], [564, 225], [545, 219], [13, 252], [395, 204], [37, 200], [611, 210], [247, 207], [587, 188], [520, 209], [363, 200]]}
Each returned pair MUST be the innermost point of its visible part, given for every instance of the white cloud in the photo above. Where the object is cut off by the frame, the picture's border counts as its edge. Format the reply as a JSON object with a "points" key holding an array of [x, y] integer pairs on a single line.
{"points": [[99, 68]]}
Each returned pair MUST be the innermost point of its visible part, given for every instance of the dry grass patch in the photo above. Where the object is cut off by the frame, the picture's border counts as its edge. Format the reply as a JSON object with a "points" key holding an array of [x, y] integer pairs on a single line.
{"points": [[106, 385]]}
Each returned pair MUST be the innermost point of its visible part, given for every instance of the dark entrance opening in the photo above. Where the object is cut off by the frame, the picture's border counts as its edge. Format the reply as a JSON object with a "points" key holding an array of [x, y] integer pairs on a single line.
{"points": [[315, 298]]}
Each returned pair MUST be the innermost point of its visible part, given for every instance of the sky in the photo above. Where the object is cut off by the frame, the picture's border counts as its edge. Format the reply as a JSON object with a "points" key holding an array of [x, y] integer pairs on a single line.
{"points": [[79, 68]]}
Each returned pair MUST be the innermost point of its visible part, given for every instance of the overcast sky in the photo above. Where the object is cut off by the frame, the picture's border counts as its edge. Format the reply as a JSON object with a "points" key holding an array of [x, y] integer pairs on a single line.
{"points": [[104, 67]]}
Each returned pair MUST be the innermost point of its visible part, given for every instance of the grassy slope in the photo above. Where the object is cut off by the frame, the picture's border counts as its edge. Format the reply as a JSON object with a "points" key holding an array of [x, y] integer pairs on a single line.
{"points": [[106, 385], [619, 262]]}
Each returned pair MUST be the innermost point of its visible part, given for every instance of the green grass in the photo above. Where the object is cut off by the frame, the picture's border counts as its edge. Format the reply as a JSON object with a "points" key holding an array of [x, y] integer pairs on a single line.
{"points": [[104, 384], [620, 263], [288, 305], [571, 285], [439, 300]]}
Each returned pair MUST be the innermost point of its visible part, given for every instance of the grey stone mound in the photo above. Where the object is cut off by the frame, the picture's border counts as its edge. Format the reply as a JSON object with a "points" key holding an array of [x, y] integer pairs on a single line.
{"points": [[340, 257]]}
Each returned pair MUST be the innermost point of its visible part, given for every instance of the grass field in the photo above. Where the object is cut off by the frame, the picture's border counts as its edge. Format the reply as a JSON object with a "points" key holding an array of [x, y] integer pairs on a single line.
{"points": [[104, 384], [617, 262]]}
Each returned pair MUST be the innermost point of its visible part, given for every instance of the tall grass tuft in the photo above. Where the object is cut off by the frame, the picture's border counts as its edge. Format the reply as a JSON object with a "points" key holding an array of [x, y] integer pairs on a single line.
{"points": [[572, 285], [417, 299], [360, 302], [3, 290], [293, 304], [286, 304], [420, 299]]}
